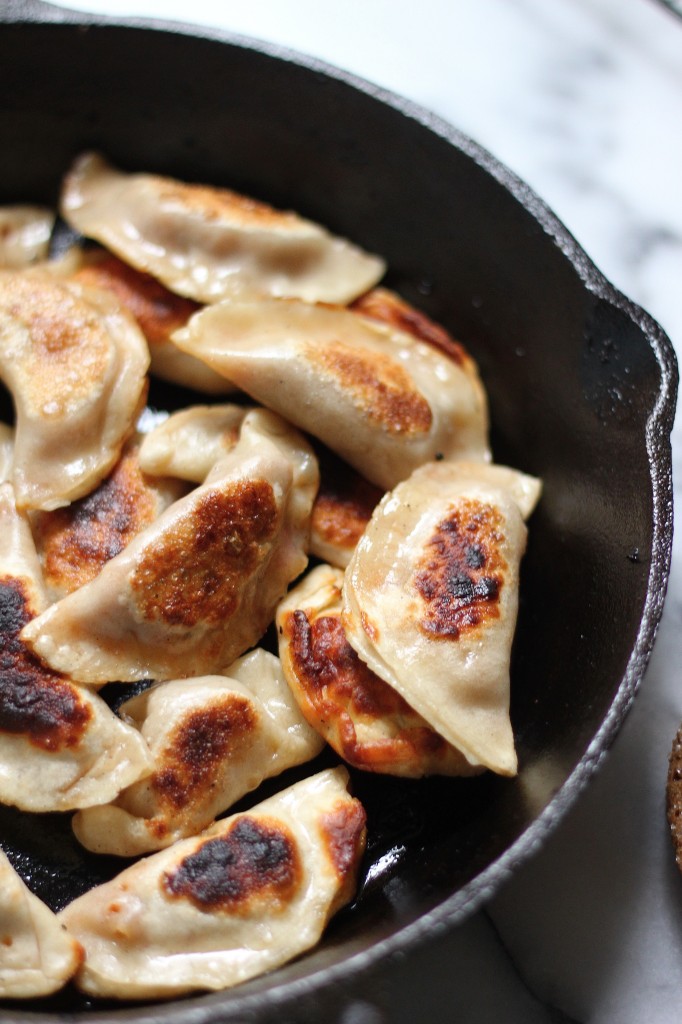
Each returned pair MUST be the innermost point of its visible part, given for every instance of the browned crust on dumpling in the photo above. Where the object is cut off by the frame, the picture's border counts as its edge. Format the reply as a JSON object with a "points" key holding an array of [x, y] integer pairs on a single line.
{"points": [[34, 701], [67, 338], [344, 503], [344, 833], [339, 695], [157, 310], [674, 796], [378, 386], [76, 541], [215, 204], [389, 308], [461, 573], [194, 574], [254, 864], [195, 753]]}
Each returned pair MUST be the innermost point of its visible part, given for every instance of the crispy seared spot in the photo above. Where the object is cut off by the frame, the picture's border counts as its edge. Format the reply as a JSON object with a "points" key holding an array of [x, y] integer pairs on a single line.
{"points": [[343, 830], [157, 311], [34, 701], [344, 503], [76, 541], [198, 748], [65, 349], [366, 721], [379, 386], [461, 574], [195, 572], [221, 204], [387, 307], [255, 864]]}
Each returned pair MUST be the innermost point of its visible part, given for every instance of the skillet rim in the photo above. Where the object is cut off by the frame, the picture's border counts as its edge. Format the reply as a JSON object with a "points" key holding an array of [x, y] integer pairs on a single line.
{"points": [[457, 907]]}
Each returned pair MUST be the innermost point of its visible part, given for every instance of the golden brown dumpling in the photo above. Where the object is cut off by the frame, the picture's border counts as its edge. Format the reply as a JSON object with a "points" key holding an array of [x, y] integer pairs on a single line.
{"points": [[210, 243], [198, 587], [247, 895], [380, 398], [213, 739], [158, 312], [343, 507], [75, 542], [366, 721], [61, 747], [75, 364], [430, 600], [24, 234], [37, 956]]}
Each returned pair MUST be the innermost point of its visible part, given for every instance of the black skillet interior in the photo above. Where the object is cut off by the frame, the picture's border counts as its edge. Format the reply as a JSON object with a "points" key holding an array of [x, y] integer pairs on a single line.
{"points": [[581, 386]]}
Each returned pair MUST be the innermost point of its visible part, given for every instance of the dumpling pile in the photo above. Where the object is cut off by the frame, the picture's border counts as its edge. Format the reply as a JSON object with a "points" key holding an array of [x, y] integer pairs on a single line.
{"points": [[174, 552]]}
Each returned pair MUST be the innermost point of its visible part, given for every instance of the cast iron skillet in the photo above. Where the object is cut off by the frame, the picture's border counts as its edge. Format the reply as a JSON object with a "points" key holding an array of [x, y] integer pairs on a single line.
{"points": [[582, 388]]}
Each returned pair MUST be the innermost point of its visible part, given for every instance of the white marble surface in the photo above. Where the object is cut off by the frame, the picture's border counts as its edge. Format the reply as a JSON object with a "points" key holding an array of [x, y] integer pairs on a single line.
{"points": [[583, 98]]}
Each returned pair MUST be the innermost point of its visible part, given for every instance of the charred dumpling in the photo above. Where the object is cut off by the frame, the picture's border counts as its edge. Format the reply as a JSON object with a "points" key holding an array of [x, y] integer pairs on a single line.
{"points": [[197, 588], [430, 600], [76, 541], [37, 957], [213, 739], [364, 719], [62, 747], [210, 243], [380, 398], [343, 507], [247, 895], [76, 366]]}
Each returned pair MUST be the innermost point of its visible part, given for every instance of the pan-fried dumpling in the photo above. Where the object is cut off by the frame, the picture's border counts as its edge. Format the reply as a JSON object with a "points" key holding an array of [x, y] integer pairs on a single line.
{"points": [[381, 399], [190, 442], [158, 313], [389, 308], [6, 452], [37, 955], [252, 892], [75, 364], [198, 587], [75, 542], [366, 721], [430, 600], [62, 747], [24, 234], [213, 739], [343, 507], [210, 243]]}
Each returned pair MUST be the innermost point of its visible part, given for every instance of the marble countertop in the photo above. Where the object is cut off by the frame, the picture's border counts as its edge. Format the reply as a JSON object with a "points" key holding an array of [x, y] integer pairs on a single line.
{"points": [[583, 99]]}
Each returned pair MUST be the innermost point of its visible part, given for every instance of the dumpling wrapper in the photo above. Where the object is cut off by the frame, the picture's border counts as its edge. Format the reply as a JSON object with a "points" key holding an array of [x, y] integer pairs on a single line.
{"points": [[75, 542], [24, 234], [430, 600], [158, 312], [213, 739], [343, 507], [252, 892], [210, 243], [6, 452], [366, 721], [190, 442], [37, 955], [61, 747], [198, 587], [384, 401], [75, 365]]}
